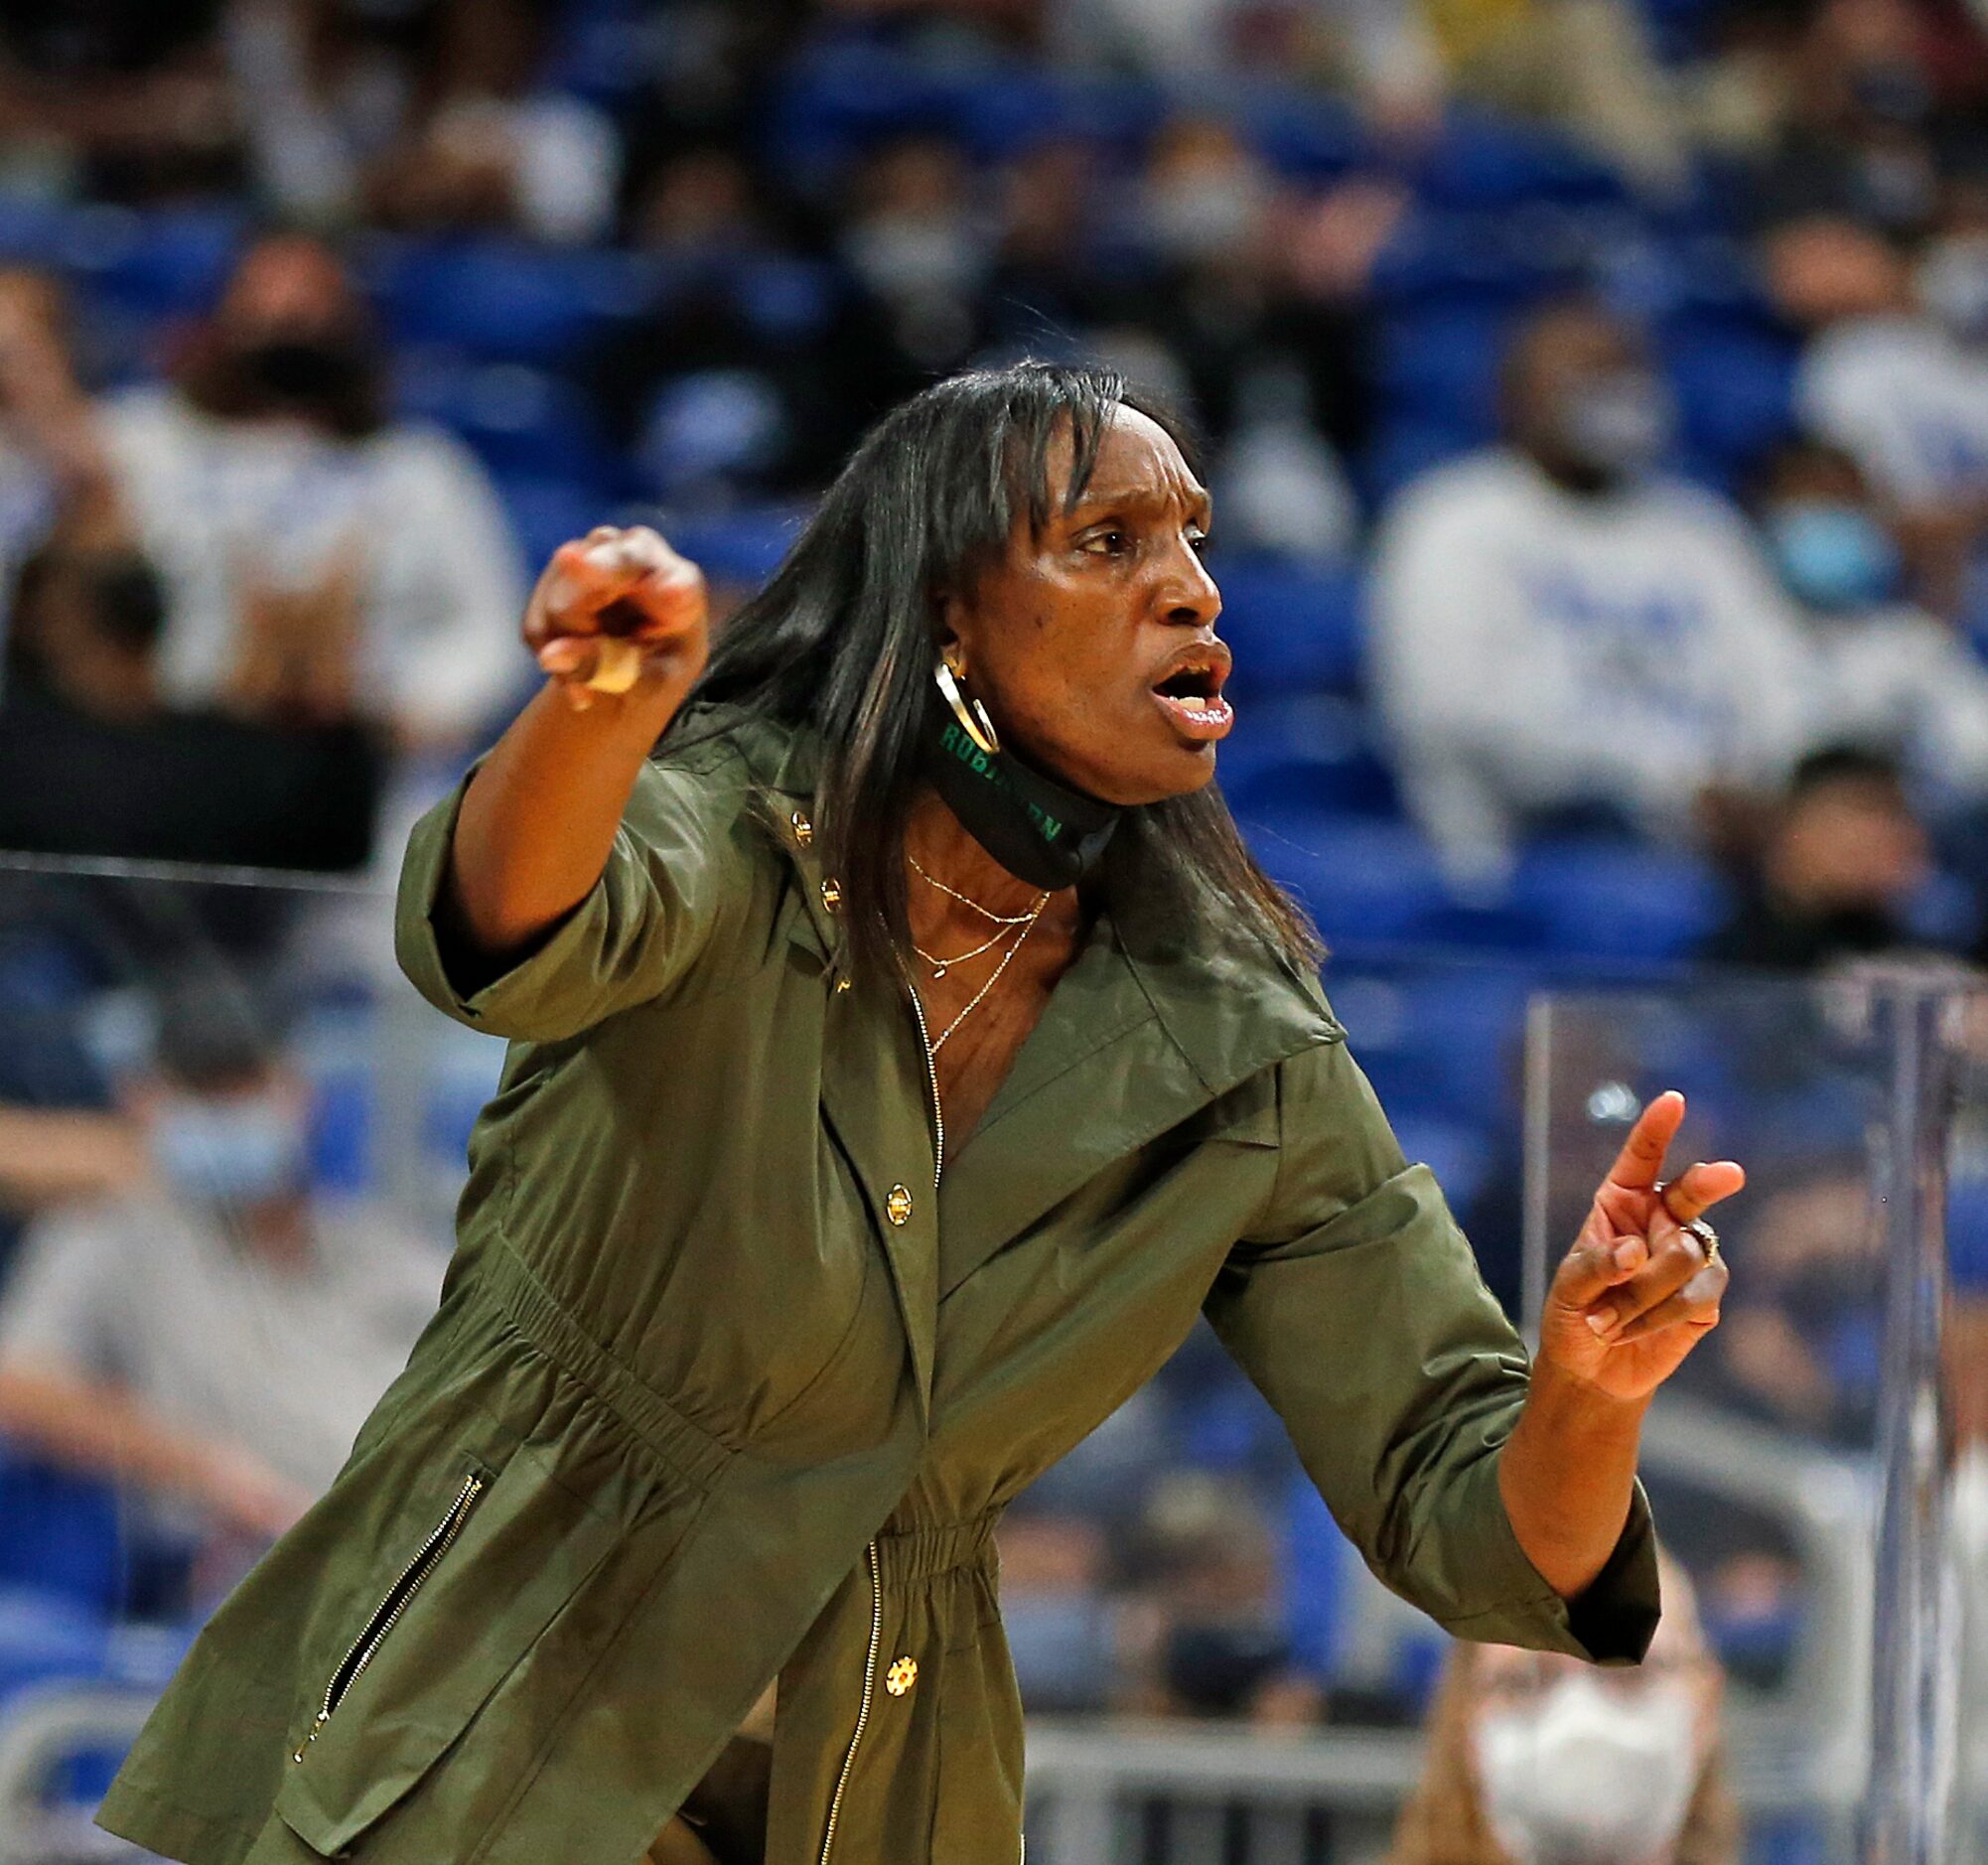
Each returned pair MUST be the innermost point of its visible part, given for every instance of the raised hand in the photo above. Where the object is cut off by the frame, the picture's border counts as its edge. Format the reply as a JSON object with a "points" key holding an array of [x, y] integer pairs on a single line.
{"points": [[1636, 1293], [615, 609]]}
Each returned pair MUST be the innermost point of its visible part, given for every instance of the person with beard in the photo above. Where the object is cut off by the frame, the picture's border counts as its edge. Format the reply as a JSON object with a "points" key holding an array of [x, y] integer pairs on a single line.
{"points": [[1564, 633], [300, 528], [1839, 862]]}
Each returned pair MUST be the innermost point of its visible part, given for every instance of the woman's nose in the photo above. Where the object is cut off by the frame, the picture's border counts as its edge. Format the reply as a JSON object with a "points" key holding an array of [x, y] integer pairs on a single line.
{"points": [[1188, 594]]}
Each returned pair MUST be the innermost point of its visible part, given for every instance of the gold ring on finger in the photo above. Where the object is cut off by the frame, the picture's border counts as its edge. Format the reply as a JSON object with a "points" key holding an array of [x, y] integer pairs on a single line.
{"points": [[1706, 1235]]}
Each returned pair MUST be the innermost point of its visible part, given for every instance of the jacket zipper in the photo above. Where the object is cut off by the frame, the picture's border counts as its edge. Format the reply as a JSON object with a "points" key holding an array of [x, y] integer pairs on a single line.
{"points": [[931, 1078], [870, 1552], [387, 1613], [862, 1712]]}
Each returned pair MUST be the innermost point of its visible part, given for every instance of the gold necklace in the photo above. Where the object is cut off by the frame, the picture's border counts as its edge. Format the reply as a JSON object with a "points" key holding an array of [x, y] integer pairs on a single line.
{"points": [[1007, 958], [966, 900], [940, 966]]}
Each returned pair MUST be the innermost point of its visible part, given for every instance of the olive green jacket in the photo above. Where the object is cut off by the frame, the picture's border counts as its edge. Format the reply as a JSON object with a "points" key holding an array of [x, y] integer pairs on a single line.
{"points": [[729, 1382]]}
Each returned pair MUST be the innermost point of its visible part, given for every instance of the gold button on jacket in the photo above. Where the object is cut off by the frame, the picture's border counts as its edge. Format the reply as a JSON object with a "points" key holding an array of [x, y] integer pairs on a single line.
{"points": [[713, 1351]]}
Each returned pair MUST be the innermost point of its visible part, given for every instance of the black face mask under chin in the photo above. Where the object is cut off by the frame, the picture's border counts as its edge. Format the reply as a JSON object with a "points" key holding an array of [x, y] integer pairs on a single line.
{"points": [[1040, 831]]}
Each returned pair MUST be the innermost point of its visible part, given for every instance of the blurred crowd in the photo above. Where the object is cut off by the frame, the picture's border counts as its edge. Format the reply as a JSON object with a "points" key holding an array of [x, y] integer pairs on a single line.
{"points": [[1594, 399]]}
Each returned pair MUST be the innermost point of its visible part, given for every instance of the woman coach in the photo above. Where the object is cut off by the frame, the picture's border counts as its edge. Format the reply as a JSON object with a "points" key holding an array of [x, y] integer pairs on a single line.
{"points": [[904, 1052]]}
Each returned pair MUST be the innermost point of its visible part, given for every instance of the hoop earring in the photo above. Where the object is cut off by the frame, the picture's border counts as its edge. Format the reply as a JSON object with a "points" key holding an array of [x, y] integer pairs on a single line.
{"points": [[970, 713]]}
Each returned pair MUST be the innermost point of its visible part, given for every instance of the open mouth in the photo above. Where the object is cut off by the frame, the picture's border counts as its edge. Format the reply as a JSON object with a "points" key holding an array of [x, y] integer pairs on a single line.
{"points": [[1190, 694]]}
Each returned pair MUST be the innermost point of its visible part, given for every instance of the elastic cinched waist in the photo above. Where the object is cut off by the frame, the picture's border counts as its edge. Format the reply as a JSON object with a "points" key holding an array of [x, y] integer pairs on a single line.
{"points": [[922, 1553], [684, 1447]]}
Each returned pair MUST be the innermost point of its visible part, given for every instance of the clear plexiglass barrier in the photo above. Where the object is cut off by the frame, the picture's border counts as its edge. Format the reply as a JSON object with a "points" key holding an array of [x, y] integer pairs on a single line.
{"points": [[1820, 1466]]}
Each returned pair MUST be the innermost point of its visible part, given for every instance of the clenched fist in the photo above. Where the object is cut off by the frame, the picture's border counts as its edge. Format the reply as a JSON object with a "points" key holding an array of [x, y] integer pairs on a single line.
{"points": [[619, 609]]}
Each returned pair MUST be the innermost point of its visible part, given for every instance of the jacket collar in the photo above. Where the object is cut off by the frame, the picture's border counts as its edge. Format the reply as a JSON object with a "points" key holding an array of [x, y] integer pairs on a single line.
{"points": [[1147, 1026]]}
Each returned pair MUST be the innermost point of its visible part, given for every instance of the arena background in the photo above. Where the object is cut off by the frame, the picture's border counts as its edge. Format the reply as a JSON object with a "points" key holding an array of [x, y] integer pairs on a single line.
{"points": [[1594, 399]]}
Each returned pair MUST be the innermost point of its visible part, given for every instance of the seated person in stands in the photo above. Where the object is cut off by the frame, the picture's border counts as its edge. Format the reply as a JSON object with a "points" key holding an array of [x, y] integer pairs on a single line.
{"points": [[93, 762], [1896, 372], [1893, 676], [1841, 857], [215, 1334], [1203, 1634], [1533, 1757], [343, 556], [1562, 631]]}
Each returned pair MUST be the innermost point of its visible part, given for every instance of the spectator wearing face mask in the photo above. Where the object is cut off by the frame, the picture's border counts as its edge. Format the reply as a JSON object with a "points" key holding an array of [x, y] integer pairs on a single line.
{"points": [[215, 1334], [1564, 633], [1841, 859], [302, 530], [1204, 1631], [1540, 1760], [1892, 678], [1898, 377], [1861, 113]]}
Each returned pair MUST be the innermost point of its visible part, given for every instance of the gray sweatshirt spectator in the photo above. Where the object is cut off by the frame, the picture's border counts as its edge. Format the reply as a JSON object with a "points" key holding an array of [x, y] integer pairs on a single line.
{"points": [[1561, 628]]}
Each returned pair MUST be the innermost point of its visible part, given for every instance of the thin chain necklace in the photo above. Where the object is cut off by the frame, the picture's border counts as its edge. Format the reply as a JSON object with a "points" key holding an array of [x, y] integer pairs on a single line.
{"points": [[940, 966], [979, 996], [965, 899]]}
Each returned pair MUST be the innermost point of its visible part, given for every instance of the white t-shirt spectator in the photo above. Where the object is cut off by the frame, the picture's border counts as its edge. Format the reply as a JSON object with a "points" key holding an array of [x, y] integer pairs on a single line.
{"points": [[282, 1361], [440, 586], [1537, 650], [1907, 399], [1898, 680], [565, 159]]}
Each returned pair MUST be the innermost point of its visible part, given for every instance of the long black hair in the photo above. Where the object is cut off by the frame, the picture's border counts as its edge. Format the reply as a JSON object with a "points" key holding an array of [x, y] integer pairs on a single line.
{"points": [[843, 640]]}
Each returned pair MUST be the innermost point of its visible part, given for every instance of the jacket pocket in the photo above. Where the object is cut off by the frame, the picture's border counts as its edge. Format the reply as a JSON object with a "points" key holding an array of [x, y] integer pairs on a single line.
{"points": [[493, 1558]]}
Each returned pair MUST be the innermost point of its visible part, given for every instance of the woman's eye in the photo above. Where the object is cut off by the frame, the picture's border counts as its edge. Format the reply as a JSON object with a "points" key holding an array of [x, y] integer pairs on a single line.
{"points": [[1113, 542], [1197, 541]]}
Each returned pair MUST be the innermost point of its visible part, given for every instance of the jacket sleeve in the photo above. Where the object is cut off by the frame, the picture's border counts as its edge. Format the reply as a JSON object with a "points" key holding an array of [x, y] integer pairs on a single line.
{"points": [[676, 881], [1357, 1309]]}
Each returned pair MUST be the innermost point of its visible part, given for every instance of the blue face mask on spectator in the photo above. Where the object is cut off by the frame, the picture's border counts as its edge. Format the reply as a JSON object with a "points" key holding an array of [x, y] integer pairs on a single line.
{"points": [[1833, 556], [230, 1152]]}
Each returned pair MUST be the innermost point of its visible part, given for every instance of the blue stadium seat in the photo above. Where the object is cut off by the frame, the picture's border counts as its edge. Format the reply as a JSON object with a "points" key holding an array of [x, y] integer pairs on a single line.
{"points": [[168, 263], [1681, 29], [1735, 389], [1302, 132], [1402, 450], [741, 549], [1316, 1568], [784, 299], [1292, 627], [1441, 1040], [1440, 361], [546, 513], [838, 99], [1458, 1152], [45, 1637], [1482, 161], [1365, 880], [841, 99], [1468, 258], [63, 1539], [1305, 754], [523, 422], [31, 229], [501, 300], [1609, 899]]}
